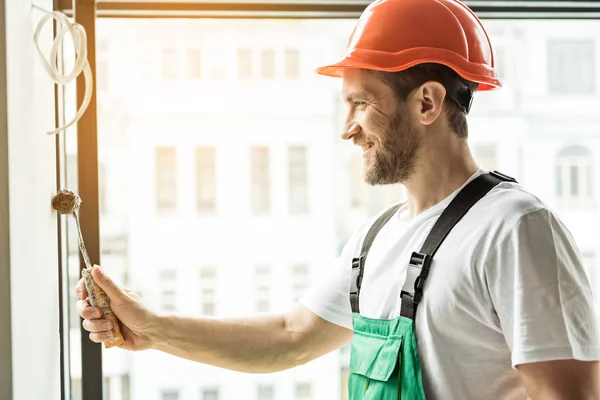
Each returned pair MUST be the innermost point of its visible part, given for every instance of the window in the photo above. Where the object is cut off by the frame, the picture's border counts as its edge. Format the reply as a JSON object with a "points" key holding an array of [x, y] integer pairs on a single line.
{"points": [[303, 391], [268, 64], [262, 278], [194, 64], [292, 64], [265, 393], [571, 66], [210, 394], [166, 178], [206, 180], [260, 184], [298, 180], [208, 283], [245, 67], [300, 281], [169, 64], [170, 395], [252, 131], [574, 174], [486, 155], [168, 282]]}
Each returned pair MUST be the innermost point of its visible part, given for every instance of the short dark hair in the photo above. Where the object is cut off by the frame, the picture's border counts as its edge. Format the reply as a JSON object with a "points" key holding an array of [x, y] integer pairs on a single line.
{"points": [[403, 83]]}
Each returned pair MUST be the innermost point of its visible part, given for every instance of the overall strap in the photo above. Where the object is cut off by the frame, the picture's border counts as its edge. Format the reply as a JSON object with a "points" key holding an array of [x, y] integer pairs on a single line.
{"points": [[420, 263], [358, 264]]}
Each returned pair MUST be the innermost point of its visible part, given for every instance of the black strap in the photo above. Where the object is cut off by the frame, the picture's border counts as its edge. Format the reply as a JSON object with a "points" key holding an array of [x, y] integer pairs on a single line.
{"points": [[420, 263], [358, 264]]}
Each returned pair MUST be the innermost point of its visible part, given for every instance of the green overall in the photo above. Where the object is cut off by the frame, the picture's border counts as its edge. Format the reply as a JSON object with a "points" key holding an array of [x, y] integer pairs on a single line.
{"points": [[384, 360]]}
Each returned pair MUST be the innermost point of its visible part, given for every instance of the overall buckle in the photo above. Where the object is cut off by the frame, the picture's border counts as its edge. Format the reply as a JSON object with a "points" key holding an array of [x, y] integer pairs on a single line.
{"points": [[415, 279], [357, 274]]}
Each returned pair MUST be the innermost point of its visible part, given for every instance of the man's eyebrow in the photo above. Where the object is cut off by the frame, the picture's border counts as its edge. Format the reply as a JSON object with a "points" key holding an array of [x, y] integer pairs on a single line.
{"points": [[358, 96]]}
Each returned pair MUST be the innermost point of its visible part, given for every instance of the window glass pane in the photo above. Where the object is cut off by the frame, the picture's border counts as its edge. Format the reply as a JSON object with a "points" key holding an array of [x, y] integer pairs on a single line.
{"points": [[261, 202], [574, 178], [206, 180], [303, 390], [234, 145], [292, 63], [170, 64], [210, 394], [268, 64], [245, 64], [170, 395], [265, 393], [166, 178], [194, 64], [298, 180]]}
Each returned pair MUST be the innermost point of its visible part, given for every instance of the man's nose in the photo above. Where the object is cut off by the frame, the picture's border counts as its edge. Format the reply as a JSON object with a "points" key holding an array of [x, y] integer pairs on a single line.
{"points": [[350, 130]]}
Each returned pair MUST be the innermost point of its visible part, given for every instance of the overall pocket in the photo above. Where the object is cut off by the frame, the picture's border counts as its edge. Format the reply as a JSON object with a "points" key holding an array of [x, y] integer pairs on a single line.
{"points": [[374, 366]]}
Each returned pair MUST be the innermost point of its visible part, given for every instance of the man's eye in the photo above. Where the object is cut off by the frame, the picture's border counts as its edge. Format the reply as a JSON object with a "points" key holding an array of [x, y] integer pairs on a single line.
{"points": [[359, 104]]}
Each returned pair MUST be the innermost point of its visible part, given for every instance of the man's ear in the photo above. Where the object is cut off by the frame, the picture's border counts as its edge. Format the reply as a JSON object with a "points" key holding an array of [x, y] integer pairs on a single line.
{"points": [[430, 100]]}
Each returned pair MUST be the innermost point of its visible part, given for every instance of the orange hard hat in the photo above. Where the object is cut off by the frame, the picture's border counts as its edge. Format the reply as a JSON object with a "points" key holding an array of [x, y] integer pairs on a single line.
{"points": [[393, 35]]}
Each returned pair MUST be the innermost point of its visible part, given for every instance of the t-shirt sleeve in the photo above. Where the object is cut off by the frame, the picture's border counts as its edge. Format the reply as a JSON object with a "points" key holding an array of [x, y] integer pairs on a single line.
{"points": [[541, 293], [329, 298]]}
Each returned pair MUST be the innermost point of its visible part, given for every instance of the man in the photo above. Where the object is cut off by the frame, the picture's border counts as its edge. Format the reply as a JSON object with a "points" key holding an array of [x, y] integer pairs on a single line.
{"points": [[506, 309]]}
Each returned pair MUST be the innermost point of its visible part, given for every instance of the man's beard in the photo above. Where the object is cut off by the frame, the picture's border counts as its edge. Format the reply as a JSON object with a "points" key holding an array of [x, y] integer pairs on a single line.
{"points": [[396, 156]]}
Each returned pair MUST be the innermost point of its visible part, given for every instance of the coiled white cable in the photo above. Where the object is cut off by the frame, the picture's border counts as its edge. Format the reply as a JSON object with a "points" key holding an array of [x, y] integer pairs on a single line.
{"points": [[81, 62]]}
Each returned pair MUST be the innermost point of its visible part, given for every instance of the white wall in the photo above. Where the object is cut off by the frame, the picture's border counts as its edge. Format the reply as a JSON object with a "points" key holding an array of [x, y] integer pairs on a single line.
{"points": [[31, 229]]}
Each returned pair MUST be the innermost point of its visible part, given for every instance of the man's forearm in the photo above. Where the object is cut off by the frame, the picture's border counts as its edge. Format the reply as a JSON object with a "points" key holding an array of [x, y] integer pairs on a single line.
{"points": [[260, 344]]}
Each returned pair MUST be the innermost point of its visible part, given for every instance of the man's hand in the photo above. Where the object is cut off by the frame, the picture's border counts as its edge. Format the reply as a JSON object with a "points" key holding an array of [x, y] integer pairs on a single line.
{"points": [[136, 320], [562, 380]]}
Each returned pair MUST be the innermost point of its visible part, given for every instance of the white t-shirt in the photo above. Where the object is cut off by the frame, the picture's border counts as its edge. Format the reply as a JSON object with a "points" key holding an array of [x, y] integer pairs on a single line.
{"points": [[506, 287]]}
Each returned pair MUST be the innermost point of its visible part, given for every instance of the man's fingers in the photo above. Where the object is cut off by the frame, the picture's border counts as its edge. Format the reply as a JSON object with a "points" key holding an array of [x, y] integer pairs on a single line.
{"points": [[80, 289], [97, 325], [86, 311], [100, 336]]}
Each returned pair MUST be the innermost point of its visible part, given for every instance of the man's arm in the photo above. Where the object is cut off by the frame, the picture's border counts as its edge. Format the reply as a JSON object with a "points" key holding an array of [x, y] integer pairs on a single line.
{"points": [[562, 380], [260, 344]]}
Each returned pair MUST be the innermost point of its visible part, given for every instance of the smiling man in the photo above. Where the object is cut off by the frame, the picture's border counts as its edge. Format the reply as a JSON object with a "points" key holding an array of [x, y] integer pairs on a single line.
{"points": [[472, 289]]}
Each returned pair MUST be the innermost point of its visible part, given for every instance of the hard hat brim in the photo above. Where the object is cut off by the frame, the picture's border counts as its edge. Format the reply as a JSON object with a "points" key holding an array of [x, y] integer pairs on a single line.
{"points": [[486, 79]]}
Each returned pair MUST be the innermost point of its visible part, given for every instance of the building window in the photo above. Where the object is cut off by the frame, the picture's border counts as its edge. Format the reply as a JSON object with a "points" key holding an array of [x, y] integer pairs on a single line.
{"points": [[268, 64], [300, 281], [208, 283], [575, 174], [206, 180], [262, 279], [486, 155], [571, 66], [265, 392], [292, 64], [168, 293], [245, 67], [210, 394], [303, 391], [194, 64], [260, 182], [166, 178], [170, 395], [298, 180], [169, 64], [125, 387]]}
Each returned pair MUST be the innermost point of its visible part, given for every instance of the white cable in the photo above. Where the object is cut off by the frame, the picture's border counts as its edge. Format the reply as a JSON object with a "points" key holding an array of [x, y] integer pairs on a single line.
{"points": [[81, 62]]}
